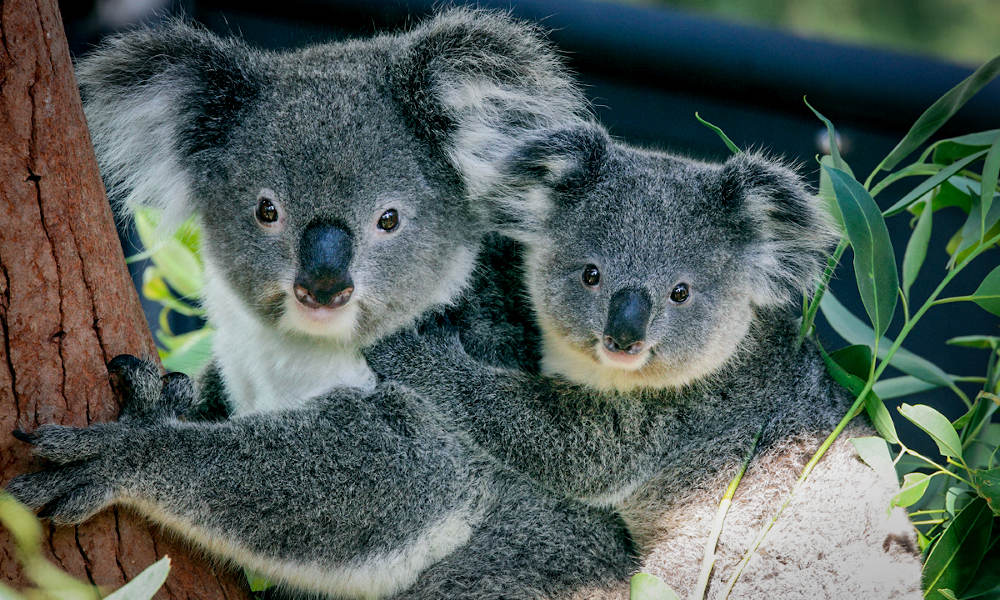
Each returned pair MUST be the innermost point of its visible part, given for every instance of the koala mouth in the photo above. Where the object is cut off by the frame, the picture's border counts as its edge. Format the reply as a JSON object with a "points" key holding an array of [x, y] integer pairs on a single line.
{"points": [[627, 361]]}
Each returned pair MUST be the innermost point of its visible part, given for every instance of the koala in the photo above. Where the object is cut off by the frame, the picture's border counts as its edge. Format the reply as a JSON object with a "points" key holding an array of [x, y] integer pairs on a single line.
{"points": [[662, 315], [335, 189]]}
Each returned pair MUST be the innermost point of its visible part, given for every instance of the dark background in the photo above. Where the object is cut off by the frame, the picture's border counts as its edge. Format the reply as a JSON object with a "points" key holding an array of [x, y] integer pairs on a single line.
{"points": [[647, 70]]}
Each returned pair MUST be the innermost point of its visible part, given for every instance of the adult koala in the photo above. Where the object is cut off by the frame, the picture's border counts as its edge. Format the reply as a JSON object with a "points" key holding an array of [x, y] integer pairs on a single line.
{"points": [[333, 212], [664, 292]]}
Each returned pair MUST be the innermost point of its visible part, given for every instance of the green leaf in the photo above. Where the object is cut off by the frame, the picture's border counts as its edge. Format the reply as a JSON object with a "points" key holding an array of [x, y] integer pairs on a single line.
{"points": [[939, 112], [845, 366], [905, 385], [874, 451], [831, 133], [874, 261], [991, 169], [9, 593], [916, 250], [985, 583], [914, 170], [957, 498], [949, 150], [257, 582], [191, 353], [21, 523], [855, 331], [644, 586], [932, 182], [987, 295], [935, 425], [948, 594], [971, 233], [144, 585], [975, 341], [954, 192], [174, 257], [718, 130], [911, 490], [956, 556], [987, 483]]}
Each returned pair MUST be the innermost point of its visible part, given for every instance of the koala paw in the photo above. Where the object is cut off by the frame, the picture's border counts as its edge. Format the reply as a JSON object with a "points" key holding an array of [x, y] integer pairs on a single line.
{"points": [[145, 395], [77, 486]]}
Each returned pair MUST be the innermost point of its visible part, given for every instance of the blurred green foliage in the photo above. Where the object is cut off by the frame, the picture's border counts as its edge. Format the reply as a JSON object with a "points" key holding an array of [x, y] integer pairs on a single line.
{"points": [[962, 31]]}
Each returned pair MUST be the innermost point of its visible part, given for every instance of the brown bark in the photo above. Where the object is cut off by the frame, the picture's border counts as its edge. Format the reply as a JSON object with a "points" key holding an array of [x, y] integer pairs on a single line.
{"points": [[67, 304]]}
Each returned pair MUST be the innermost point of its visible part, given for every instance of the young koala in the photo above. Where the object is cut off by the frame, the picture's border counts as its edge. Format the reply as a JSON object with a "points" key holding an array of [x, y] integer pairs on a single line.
{"points": [[664, 292], [334, 211]]}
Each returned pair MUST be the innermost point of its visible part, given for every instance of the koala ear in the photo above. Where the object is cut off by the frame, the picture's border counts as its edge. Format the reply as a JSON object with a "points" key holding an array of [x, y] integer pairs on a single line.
{"points": [[476, 82], [791, 233], [155, 99], [546, 168]]}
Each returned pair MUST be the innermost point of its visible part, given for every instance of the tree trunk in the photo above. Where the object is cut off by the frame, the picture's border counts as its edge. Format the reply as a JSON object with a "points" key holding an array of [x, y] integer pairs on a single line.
{"points": [[67, 304]]}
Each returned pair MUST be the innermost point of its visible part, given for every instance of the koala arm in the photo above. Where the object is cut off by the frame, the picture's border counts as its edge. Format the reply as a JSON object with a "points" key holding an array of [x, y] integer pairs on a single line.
{"points": [[319, 498], [572, 440]]}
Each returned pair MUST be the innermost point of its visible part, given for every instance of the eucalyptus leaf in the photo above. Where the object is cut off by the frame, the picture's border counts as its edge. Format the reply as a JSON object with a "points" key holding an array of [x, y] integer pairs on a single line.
{"points": [[956, 556], [826, 193], [975, 341], [874, 451], [904, 385], [845, 366], [257, 582], [985, 584], [911, 490], [874, 261], [914, 170], [831, 133], [144, 585], [644, 586], [934, 117], [972, 230], [948, 594], [932, 182], [989, 182], [21, 523], [718, 130], [935, 425], [987, 483], [987, 295], [916, 250], [954, 192], [191, 356], [855, 331]]}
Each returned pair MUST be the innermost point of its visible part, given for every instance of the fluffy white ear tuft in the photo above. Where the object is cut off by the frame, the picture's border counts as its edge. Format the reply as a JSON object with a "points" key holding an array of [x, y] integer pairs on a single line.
{"points": [[153, 98], [794, 234]]}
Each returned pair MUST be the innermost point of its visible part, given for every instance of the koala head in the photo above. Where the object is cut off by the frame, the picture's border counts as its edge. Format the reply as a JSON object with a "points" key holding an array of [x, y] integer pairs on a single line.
{"points": [[646, 270], [324, 179]]}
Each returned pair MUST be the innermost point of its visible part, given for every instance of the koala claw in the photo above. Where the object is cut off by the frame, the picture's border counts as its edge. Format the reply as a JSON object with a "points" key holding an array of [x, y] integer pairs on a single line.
{"points": [[144, 394], [61, 444], [66, 495]]}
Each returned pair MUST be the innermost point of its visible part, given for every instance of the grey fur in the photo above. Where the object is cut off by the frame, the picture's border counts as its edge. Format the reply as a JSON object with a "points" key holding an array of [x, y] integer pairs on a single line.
{"points": [[661, 441], [341, 492]]}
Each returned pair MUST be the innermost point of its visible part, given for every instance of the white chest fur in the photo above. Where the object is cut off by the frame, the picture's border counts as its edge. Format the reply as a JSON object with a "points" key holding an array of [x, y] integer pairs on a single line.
{"points": [[265, 369]]}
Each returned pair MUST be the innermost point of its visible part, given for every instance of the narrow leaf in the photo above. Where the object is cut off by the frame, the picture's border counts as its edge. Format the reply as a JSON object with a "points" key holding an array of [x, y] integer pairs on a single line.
{"points": [[844, 365], [956, 556], [916, 250], [144, 585], [914, 170], [967, 238], [989, 183], [939, 112], [644, 586], [932, 182], [985, 583], [975, 341], [729, 143], [831, 133], [935, 425], [855, 331], [874, 261], [905, 385], [987, 295], [911, 490]]}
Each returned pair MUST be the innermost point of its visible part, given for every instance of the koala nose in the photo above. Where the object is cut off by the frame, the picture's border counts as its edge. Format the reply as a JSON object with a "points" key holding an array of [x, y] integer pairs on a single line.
{"points": [[628, 315], [323, 278]]}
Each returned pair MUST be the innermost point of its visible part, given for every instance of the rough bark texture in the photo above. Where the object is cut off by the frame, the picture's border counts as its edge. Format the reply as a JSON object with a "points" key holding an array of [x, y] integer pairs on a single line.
{"points": [[67, 305]]}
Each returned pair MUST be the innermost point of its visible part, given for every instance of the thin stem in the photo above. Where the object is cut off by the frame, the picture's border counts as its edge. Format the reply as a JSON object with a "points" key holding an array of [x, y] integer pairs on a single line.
{"points": [[969, 298], [937, 466], [969, 379], [928, 522], [960, 394], [928, 511], [831, 266], [708, 559], [906, 304], [855, 407]]}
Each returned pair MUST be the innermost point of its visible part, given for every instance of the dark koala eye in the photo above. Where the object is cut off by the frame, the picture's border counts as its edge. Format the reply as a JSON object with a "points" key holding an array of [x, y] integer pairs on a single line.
{"points": [[680, 293], [591, 275], [389, 220], [267, 212]]}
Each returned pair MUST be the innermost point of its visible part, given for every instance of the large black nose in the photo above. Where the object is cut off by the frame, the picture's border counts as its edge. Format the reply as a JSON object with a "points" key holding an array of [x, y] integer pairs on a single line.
{"points": [[324, 278], [628, 316]]}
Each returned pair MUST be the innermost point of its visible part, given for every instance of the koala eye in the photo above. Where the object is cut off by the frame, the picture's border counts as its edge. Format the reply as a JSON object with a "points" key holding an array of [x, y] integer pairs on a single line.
{"points": [[591, 276], [680, 293], [389, 220], [267, 212]]}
